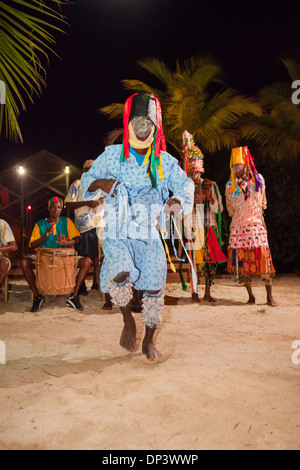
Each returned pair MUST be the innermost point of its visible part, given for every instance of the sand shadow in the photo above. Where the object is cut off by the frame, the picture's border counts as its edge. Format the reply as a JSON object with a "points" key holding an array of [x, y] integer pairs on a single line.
{"points": [[21, 372], [218, 302]]}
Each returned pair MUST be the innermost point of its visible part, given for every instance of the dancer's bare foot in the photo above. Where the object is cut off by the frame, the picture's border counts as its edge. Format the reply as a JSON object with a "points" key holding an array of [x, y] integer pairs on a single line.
{"points": [[107, 306], [251, 300], [270, 300], [128, 336], [108, 303], [207, 297], [272, 303], [151, 352], [148, 346], [195, 297]]}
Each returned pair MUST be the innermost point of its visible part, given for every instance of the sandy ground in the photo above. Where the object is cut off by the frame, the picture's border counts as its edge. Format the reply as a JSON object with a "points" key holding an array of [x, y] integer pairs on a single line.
{"points": [[226, 380]]}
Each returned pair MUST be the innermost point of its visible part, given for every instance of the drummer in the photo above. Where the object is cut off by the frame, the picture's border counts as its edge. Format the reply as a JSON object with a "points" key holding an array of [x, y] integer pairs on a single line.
{"points": [[54, 232]]}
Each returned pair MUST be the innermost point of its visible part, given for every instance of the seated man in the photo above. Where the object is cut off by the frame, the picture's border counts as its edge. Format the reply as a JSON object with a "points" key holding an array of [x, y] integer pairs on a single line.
{"points": [[7, 245], [49, 233]]}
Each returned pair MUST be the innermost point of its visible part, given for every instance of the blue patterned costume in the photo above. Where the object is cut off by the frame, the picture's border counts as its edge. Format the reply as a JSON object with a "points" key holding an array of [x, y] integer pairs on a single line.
{"points": [[131, 240]]}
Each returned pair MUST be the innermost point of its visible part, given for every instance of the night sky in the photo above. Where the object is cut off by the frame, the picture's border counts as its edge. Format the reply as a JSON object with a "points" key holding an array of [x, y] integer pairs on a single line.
{"points": [[107, 37]]}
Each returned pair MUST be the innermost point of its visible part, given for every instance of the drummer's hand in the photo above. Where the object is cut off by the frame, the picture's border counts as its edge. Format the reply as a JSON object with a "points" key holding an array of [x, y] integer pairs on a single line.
{"points": [[63, 240], [49, 231], [173, 207]]}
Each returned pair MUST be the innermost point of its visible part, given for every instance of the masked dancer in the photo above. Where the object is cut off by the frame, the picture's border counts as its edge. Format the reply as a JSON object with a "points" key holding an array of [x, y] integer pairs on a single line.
{"points": [[249, 253], [206, 238], [137, 176]]}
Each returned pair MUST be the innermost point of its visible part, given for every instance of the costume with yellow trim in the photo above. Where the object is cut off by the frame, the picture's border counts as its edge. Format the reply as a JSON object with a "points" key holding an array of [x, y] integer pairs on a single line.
{"points": [[64, 226], [248, 253]]}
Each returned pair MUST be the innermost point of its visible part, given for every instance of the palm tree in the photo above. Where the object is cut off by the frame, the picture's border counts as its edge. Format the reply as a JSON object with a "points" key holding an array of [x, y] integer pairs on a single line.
{"points": [[277, 132], [26, 39], [194, 98]]}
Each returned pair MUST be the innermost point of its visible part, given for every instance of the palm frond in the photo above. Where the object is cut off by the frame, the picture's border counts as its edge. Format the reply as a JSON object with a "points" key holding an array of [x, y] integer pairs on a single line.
{"points": [[26, 40], [226, 108], [113, 111], [136, 86], [201, 70], [272, 139], [293, 68], [159, 69], [182, 111]]}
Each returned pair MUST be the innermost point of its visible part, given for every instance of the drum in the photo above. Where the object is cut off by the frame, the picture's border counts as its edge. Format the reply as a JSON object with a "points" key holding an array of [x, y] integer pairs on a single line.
{"points": [[56, 271]]}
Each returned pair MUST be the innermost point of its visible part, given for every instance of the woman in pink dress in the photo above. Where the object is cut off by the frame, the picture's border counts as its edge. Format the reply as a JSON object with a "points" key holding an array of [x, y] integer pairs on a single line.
{"points": [[248, 253]]}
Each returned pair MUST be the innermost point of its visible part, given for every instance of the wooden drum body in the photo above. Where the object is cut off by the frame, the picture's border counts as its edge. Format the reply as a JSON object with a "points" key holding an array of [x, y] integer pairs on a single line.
{"points": [[56, 271]]}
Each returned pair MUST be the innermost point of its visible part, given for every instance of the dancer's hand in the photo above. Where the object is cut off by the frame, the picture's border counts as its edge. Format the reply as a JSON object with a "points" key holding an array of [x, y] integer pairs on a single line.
{"points": [[105, 185], [198, 199], [173, 207]]}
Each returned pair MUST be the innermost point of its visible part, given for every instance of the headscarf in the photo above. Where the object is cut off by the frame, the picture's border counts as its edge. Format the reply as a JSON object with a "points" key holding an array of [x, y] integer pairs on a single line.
{"points": [[55, 199], [193, 157], [148, 106], [242, 156]]}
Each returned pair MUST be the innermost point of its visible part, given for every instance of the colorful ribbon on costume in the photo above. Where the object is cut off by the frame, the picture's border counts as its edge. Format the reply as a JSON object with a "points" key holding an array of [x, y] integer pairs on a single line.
{"points": [[159, 143], [194, 275]]}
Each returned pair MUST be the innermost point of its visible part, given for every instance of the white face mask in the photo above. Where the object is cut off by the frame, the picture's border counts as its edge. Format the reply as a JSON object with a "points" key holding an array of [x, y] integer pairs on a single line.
{"points": [[141, 132], [238, 169]]}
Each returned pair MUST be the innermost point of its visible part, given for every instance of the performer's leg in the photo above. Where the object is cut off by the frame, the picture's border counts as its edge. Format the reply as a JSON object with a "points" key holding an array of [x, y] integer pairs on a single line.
{"points": [[246, 281], [268, 282], [128, 336], [108, 303], [153, 304], [148, 346], [137, 305], [207, 297], [84, 265], [73, 301], [270, 299], [27, 267], [121, 295], [96, 276], [39, 300], [4, 268], [251, 300]]}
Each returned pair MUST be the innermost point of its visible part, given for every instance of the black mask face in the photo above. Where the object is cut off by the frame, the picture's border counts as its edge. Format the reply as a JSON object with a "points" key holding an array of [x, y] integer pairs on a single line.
{"points": [[143, 105], [142, 127]]}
